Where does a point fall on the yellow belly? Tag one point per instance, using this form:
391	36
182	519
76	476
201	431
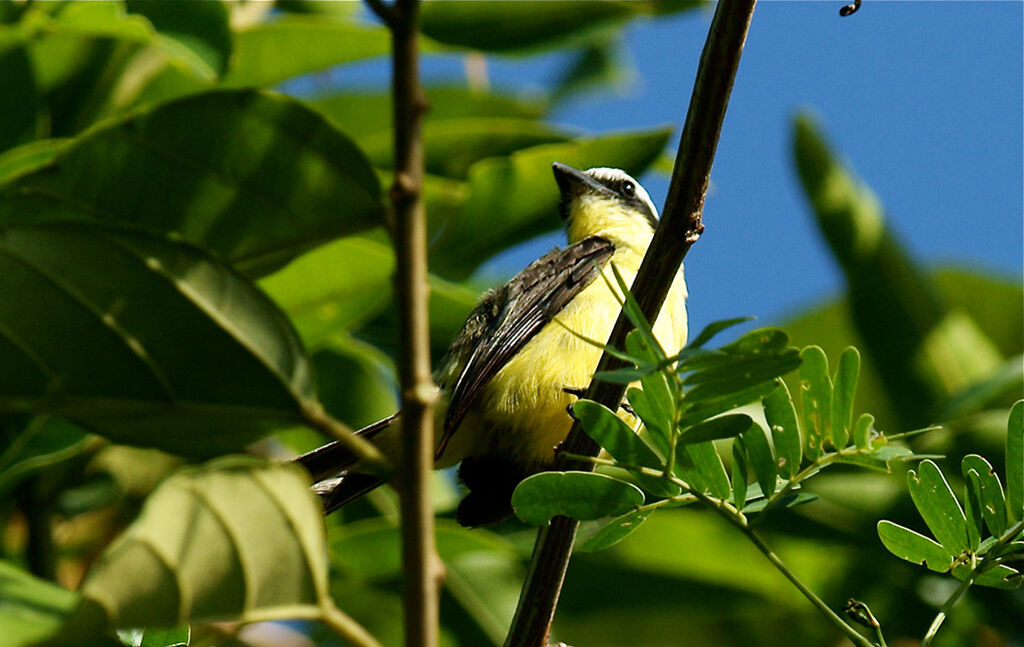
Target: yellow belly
522	412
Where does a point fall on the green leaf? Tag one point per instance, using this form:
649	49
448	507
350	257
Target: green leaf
626	375
638	347
85	314
657	421
913	547
615	530
863	431
1015	462
42	442
32	609
580	495
790	500
622	443
165	637
356	381
739	375
708	465
199	31
290	46
705	405
658	408
973	509
236	538
843	392
761	460
452	146
1000	576
993	503
253	177
762	341
727	426
938	507
781	417
515	198
645	337
714	328
28	156
740	461
521	27
334	288
817	400
601	65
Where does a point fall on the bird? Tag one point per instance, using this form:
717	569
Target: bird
520	360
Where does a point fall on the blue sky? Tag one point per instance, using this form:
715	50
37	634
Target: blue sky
923	99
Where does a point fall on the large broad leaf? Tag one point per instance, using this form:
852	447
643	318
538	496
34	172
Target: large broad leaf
255	177
144	339
515	198
509	27
293	45
237	538
31	609
335	287
18	101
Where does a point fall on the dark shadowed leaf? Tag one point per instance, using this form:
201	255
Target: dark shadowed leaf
997	577
761	460
790	500
973	509
619	440
236	538
708	466
28	156
914	547
18	101
615	530
938	507
580	495
727	426
781	417
257	178
740	462
41	442
84	315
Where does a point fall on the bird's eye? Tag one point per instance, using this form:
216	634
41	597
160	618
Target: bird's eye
628	189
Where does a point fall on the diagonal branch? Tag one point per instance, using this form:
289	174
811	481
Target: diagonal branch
679	228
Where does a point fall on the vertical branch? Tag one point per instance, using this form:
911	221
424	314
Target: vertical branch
679	228
419	394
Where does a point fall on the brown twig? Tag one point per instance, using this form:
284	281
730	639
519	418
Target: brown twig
679	229
422	566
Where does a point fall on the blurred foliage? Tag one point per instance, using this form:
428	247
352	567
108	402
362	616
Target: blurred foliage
190	258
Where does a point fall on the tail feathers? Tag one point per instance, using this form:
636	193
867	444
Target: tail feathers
336	492
332	459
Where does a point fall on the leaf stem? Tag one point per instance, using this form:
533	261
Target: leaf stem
345	626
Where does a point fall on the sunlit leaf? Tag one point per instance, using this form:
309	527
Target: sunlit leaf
914	547
84	314
256	178
938	507
863	431
615	530
993	503
1015	462
997	577
236	538
843	392
580	495
781	417
816	387
619	440
33	609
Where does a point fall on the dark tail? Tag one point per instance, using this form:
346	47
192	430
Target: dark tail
329	465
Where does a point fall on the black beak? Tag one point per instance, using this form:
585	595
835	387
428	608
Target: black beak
573	183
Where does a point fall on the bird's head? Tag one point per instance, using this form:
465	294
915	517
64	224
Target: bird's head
604	202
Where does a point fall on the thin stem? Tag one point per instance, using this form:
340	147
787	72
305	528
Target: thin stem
850	632
422	567
346	627
679	228
314	415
